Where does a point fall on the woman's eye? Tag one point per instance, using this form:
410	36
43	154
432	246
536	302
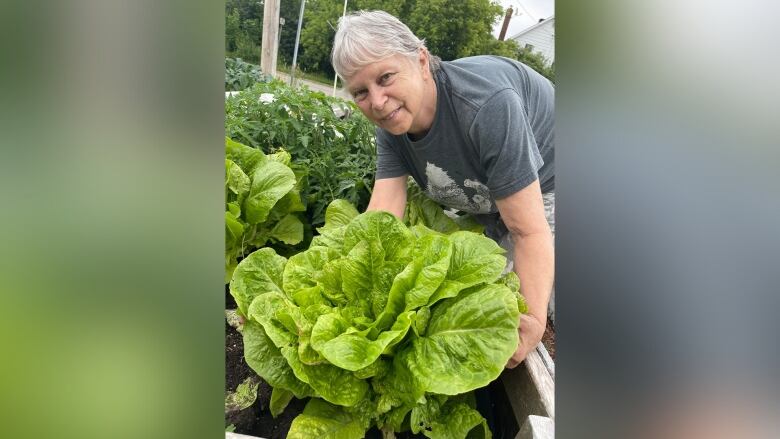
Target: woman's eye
359	95
385	77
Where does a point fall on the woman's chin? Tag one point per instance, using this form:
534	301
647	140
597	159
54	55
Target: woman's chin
397	128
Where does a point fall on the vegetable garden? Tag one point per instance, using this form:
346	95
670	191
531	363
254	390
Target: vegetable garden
344	324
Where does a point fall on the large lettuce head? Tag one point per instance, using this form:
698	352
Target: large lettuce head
381	323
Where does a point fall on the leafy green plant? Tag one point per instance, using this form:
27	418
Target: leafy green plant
421	210
240	75
328	138
262	196
381	324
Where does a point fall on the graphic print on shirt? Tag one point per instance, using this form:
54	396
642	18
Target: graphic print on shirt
444	190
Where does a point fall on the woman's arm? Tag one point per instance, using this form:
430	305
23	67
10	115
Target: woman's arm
390	195
534	262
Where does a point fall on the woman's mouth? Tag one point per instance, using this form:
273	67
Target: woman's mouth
392	115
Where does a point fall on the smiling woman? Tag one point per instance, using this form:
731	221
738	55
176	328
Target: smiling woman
475	133
389	73
396	93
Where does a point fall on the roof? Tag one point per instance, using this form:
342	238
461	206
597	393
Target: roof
528	29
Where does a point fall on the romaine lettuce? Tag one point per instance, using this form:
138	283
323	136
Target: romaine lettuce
262	198
382	323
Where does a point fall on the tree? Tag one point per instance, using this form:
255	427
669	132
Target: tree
451	29
321	18
454	28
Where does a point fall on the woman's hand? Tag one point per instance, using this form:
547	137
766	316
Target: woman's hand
531	331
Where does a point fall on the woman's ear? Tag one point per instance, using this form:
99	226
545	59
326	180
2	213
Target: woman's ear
423	58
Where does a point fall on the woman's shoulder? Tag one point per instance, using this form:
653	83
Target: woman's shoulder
476	79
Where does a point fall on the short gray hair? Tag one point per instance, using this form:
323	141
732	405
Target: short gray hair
365	37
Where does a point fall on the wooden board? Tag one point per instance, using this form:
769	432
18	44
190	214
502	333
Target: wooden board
537	427
530	386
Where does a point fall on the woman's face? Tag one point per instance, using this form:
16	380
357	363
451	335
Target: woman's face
391	93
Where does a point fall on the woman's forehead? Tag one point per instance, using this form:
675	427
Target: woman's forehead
368	71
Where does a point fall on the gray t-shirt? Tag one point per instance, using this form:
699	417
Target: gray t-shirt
492	135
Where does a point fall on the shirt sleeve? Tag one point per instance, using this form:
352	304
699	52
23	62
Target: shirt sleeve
389	163
507	148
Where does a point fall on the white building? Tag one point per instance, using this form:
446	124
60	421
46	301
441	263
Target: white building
539	38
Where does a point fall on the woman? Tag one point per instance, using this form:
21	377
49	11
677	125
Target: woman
475	133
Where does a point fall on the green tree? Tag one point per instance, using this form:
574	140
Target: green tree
321	18
232	29
454	28
451	28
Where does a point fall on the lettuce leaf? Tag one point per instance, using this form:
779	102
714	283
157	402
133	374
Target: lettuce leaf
325	421
262	198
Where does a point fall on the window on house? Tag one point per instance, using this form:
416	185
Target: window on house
529	47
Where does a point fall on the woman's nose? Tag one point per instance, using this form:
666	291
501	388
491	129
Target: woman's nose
378	99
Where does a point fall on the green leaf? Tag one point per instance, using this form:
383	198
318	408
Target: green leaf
335	385
321	420
244	396
414	286
354	351
271	181
288	230
382	229
330	238
467	342
339	213
259	273
458	422
281	320
234	230
279	400
511	281
360	270
266	359
423	210
281	156
303	269
246	157
236	182
425	414
475	259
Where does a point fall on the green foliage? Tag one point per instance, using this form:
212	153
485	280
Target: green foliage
320	19
453	28
262	197
243	29
334	155
382	323
421	210
240	75
244	396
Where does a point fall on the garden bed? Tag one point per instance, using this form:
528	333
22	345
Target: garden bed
513	404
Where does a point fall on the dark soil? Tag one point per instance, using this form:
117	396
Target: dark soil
548	339
255	420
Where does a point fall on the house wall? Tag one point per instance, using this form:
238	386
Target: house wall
542	37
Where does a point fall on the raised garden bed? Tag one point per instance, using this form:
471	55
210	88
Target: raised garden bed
518	405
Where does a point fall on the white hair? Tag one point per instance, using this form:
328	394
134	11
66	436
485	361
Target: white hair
365	37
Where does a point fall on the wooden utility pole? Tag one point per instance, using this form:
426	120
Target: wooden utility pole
507	17
270	37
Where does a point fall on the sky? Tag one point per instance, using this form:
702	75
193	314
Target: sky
527	13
